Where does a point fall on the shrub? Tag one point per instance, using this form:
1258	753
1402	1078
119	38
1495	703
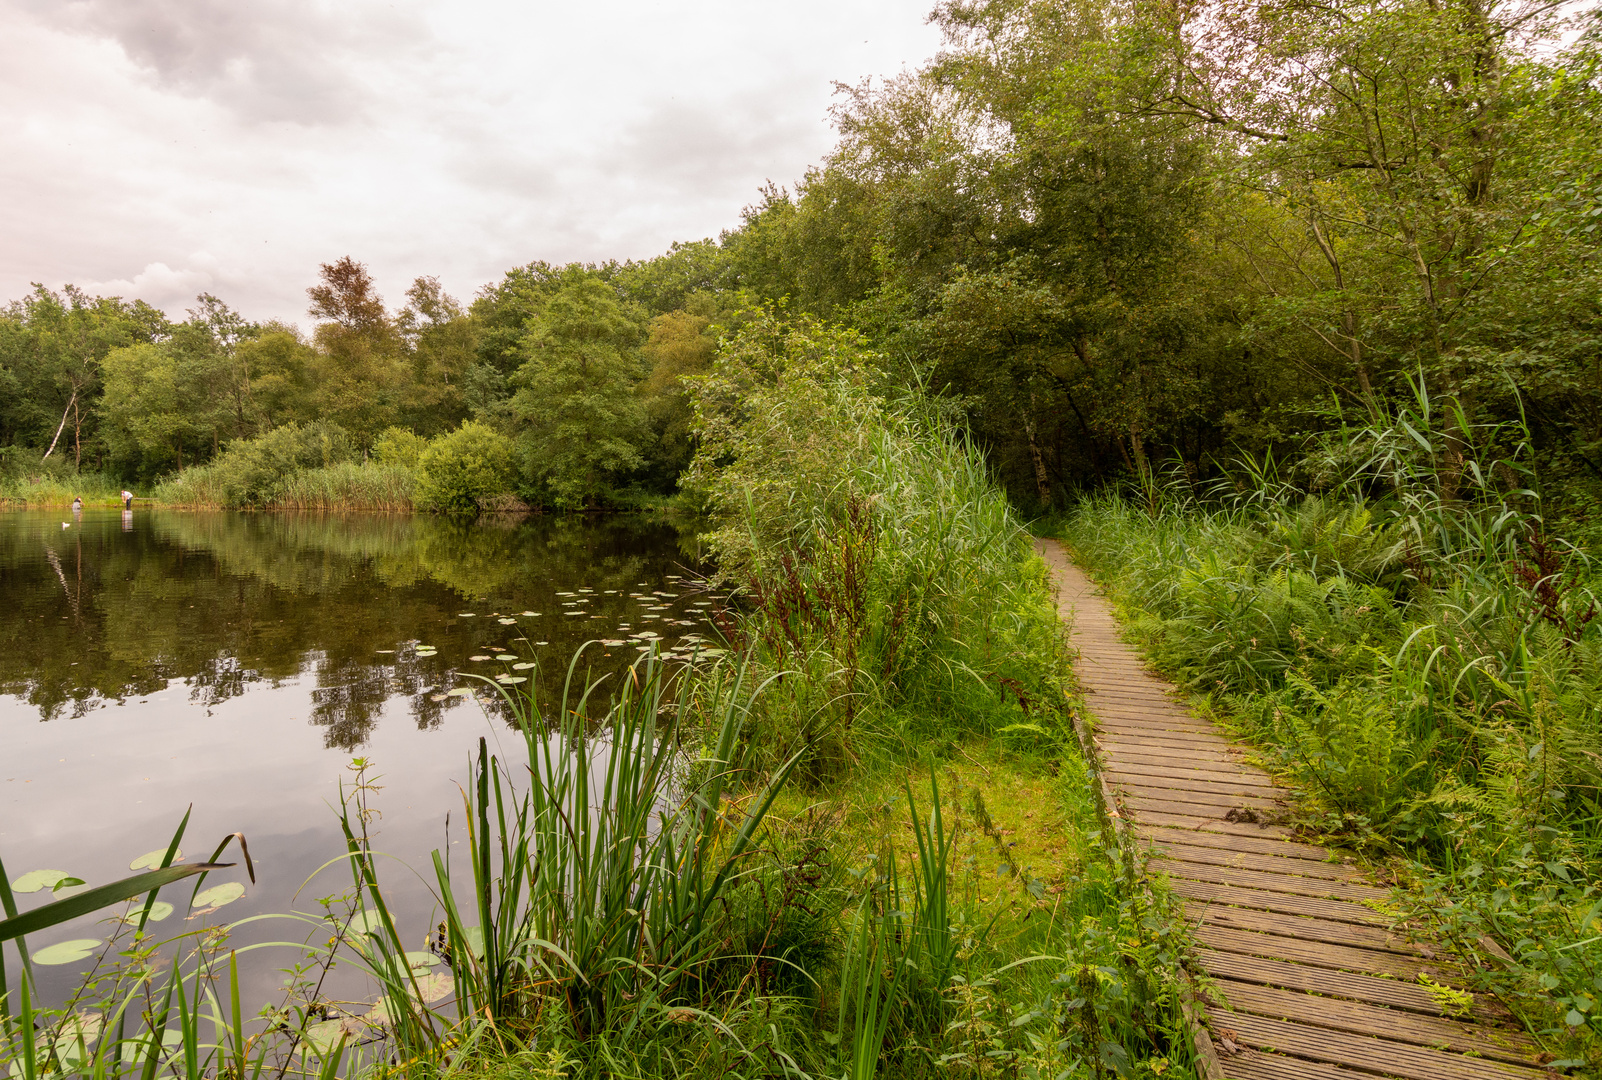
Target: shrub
251	472
463	470
399	446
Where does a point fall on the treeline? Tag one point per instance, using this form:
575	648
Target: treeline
1117	235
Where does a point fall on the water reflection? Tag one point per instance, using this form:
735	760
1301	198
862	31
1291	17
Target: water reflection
94	616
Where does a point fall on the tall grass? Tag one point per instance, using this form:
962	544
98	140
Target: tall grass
1414	646
344	486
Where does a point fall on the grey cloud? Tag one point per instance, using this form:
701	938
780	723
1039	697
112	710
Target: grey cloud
700	149
281	61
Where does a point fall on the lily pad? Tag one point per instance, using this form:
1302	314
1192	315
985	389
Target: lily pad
34	880
158	911
151	860
523	666
365	922
508	680
460	691
506	657
506	622
421	959
218	895
434	985
66	952
464	615
480	658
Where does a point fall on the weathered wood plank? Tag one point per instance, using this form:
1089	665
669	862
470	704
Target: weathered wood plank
1434	1031
1231	842
1385	1056
1323	954
1250	860
1352	985
1285	903
1298	926
1267	882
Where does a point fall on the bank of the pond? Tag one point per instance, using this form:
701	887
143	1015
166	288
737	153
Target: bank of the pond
1430	696
862	842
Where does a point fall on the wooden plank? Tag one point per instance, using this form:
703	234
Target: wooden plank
1248	1064
1230	842
1135	754
1149	776
1285	903
1224	800
1323	954
1351	985
1328	1012
1383	1056
1298	926
1189	820
1250	860
1282	883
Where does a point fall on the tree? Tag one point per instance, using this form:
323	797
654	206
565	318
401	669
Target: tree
581	424
361	377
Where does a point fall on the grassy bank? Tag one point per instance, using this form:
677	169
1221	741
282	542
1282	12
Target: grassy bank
862	842
58	490
1428	673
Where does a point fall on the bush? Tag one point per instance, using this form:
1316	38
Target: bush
399	446
458	473
252	472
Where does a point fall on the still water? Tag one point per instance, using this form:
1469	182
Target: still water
239	662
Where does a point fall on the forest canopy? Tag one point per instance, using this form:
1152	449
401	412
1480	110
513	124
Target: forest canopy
1118	237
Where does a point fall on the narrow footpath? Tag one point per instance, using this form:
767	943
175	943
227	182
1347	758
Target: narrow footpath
1308	979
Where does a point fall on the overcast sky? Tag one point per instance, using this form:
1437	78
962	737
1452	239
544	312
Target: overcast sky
161	148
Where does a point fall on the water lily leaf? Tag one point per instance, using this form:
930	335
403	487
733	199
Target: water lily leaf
151	860
78	1033
531	613
460	691
523	666
66	952
366	922
135	1047
508	680
505	656
158	911
322	1038
384	650
542	643
434	985
34	880
437	697
421	959
506	622
464	615
218	895
475	941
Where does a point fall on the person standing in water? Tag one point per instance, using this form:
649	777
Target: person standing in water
127	500
77	504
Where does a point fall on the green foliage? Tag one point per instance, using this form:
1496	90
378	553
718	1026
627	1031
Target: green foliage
458	473
580	424
399	446
252	472
1426	667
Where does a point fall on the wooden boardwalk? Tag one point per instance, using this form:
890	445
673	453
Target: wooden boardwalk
1305	977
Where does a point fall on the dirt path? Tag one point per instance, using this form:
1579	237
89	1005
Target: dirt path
1308	979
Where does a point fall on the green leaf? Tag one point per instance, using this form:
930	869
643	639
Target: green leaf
91	900
34	880
419	959
218	895
66	952
151	860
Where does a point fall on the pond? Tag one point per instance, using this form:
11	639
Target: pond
239	662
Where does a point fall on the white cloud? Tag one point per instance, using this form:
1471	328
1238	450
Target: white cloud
422	138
